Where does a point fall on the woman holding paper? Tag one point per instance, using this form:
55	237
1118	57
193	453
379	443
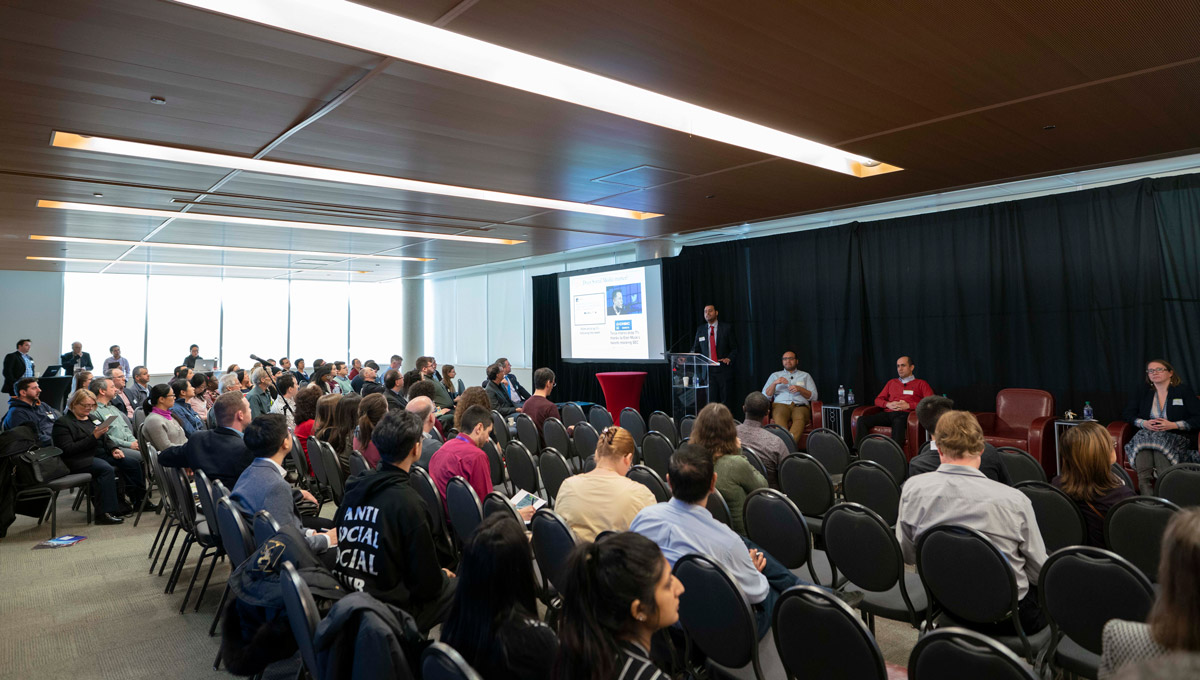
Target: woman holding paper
86	447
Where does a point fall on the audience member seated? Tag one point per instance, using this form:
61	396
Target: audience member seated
212	390
299	373
355	369
1163	411
929	411
958	493
472	396
393	390
161	428
138	390
423	407
121	429
770	448
285	403
323	377
121	400
426	388
338	430
115	360
87	448
229	383
306	413
83	380
385	544
371	409
897	399
339	376
497	392
619	592
1087	457
18	365
220	452
260	394
365	377
683	526
441	398
1173	625
232	368
715	430
183	373
463	456
604	499
396	363
516	393
539	407
261	486
453	387
25	406
182	409
197	401
76	358
792	392
493	622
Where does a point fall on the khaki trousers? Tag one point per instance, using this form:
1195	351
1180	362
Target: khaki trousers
794	417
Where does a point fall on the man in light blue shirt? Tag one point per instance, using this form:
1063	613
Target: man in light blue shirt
792	390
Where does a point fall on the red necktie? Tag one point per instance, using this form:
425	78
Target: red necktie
712	342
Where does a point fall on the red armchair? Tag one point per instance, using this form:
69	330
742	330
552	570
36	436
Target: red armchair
913	440
1024	419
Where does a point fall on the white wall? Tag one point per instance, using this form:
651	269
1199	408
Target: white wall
31	307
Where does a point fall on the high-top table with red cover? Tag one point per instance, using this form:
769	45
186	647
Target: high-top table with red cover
621	389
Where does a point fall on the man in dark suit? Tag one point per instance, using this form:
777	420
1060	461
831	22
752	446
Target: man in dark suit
221	453
516	393
365	376
715	340
393	390
496	392
17	365
76	358
617	307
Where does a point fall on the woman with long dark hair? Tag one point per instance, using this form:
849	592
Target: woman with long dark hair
306	413
454	387
182	409
619	591
371	409
338	431
716	431
493	621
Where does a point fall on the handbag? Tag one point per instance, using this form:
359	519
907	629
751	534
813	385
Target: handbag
39	466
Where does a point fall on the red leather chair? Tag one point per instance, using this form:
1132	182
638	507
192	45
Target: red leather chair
813	424
913	440
1024	419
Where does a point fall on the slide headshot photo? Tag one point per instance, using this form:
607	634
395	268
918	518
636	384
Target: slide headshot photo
624	299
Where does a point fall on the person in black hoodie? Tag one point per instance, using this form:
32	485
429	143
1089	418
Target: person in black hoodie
385	546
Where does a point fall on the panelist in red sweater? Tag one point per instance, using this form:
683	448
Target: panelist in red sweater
898	398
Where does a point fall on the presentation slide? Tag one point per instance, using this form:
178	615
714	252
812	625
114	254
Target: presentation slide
612	313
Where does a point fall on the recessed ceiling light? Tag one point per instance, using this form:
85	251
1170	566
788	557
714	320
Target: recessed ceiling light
158	100
363	28
263	222
223	249
87	260
121	147
98	195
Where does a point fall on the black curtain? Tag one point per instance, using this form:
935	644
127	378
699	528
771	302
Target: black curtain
1070	293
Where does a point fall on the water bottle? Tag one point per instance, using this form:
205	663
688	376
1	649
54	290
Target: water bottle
841	395
1087	410
850	396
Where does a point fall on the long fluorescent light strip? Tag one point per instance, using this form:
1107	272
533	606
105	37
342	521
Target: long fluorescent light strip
121	147
372	30
222	249
263	222
88	260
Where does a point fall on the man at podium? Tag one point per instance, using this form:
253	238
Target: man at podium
715	340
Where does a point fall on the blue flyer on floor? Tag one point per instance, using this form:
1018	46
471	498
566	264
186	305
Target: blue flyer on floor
60	542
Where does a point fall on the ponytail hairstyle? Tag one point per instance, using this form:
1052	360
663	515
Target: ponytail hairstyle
157	392
602	581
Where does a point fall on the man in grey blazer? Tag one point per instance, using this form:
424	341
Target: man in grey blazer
497	394
262	486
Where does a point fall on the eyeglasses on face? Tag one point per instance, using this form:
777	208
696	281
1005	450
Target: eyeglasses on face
1152	371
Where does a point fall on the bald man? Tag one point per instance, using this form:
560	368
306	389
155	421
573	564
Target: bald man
423	407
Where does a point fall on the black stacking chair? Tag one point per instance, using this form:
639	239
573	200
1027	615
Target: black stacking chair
528	433
868	483
496	466
333	471
170	515
648	478
819	636
1021	466
862	546
661	422
782	432
421	481
358	464
440	661
1080	589
265	527
656	453
729	640
1180	484
320	465
632	421
685	427
1134	529
1124	476
300	463
777	526
463	507
956	653
755	459
552	542
554	470
572	414
555	434
208	506
970	580
585	439
806	482
237	541
830	449
196	533
500	429
302	615
885	451
599	418
1059	519
495	502
718	508
521	468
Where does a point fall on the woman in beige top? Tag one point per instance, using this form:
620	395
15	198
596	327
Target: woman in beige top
604	499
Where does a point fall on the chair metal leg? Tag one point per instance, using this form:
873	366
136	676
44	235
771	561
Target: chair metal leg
177	570
212	630
217	661
195	574
204	588
157	536
54	515
142	505
163	565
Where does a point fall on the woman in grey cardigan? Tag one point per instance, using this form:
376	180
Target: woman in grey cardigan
161	429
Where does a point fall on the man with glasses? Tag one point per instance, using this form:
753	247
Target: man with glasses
539	407
898	398
792	391
120	400
76	359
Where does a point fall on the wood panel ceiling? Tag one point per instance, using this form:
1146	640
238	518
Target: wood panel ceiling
956	98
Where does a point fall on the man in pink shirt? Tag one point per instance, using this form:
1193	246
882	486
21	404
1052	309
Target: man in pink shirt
898	398
464	457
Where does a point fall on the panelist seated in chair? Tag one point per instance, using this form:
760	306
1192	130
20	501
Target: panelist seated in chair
791	391
929	411
898	398
958	493
220	453
1167	416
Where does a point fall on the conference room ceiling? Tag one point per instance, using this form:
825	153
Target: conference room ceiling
955	98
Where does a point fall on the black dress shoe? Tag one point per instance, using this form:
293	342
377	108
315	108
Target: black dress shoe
124	511
152	507
107	518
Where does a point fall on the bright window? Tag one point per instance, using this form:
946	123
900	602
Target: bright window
101	310
320	321
254	320
376	316
181	310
